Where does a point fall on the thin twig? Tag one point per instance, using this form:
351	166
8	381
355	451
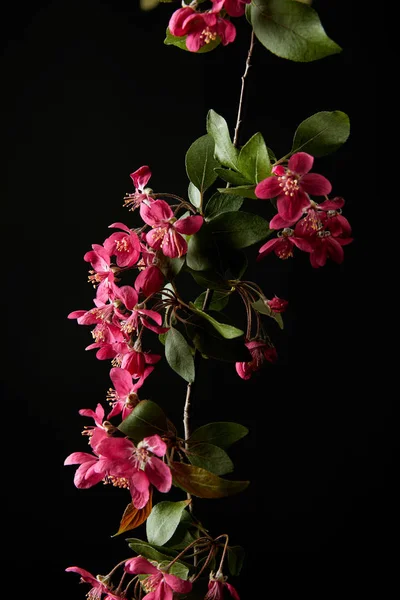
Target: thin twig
246	70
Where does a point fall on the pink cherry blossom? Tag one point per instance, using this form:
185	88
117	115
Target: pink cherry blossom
149	281
216	587
99	585
109	340
201	28
277	305
140	179
101	273
159	585
234	8
283	245
123	398
292	185
166	233
260	351
125	245
139	364
129	322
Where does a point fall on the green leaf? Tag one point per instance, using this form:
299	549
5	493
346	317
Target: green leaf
253	160
227	331
222	433
231	176
150	4
264	309
208	279
239	229
202	483
170	267
161	555
221	203
225	151
245	191
161	337
180	42
194	195
322	133
209	457
210	344
200	163
218	302
163	521
291	30
179	356
235	557
146	419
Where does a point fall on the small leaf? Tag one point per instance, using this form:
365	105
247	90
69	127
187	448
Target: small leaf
291	30
225	151
202	483
254	161
194	195
163	521
227	331
209	457
222	433
232	176
134	517
264	309
218	302
239	229
146	419
180	42
200	163
149	4
245	191
236	556
220	203
178	355
322	133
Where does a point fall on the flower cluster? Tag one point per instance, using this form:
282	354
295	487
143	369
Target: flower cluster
204	27
319	229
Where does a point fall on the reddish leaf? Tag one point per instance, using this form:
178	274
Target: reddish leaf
133	517
202	483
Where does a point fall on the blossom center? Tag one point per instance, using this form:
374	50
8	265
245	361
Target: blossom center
207	35
150	583
122	245
142	455
121	482
289	183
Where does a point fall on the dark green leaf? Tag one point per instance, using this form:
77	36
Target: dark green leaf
194	195
200	163
209	279
264	309
227	331
236	556
222	434
232	176
245	191
146	419
180	42
218	302
291	30
170	267
210	344
210	457
220	203
201	250
239	229
322	133
254	161
202	483
179	356
225	151
163	521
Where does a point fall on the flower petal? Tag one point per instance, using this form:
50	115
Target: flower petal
177	584
232	591
140	177
268	188
140	566
301	163
189	225
122	381
159	474
315	184
155	444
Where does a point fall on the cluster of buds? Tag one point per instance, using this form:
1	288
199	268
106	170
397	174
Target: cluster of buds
203	27
319	229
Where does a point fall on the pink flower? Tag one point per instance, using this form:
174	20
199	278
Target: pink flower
149	281
139	364
234	8
137	466
99	584
159	585
283	245
110	341
87	474
129	323
292	185
216	587
140	179
123	398
125	246
166	231
101	273
260	351
277	305
201	28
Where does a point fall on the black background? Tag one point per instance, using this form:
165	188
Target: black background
90	94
